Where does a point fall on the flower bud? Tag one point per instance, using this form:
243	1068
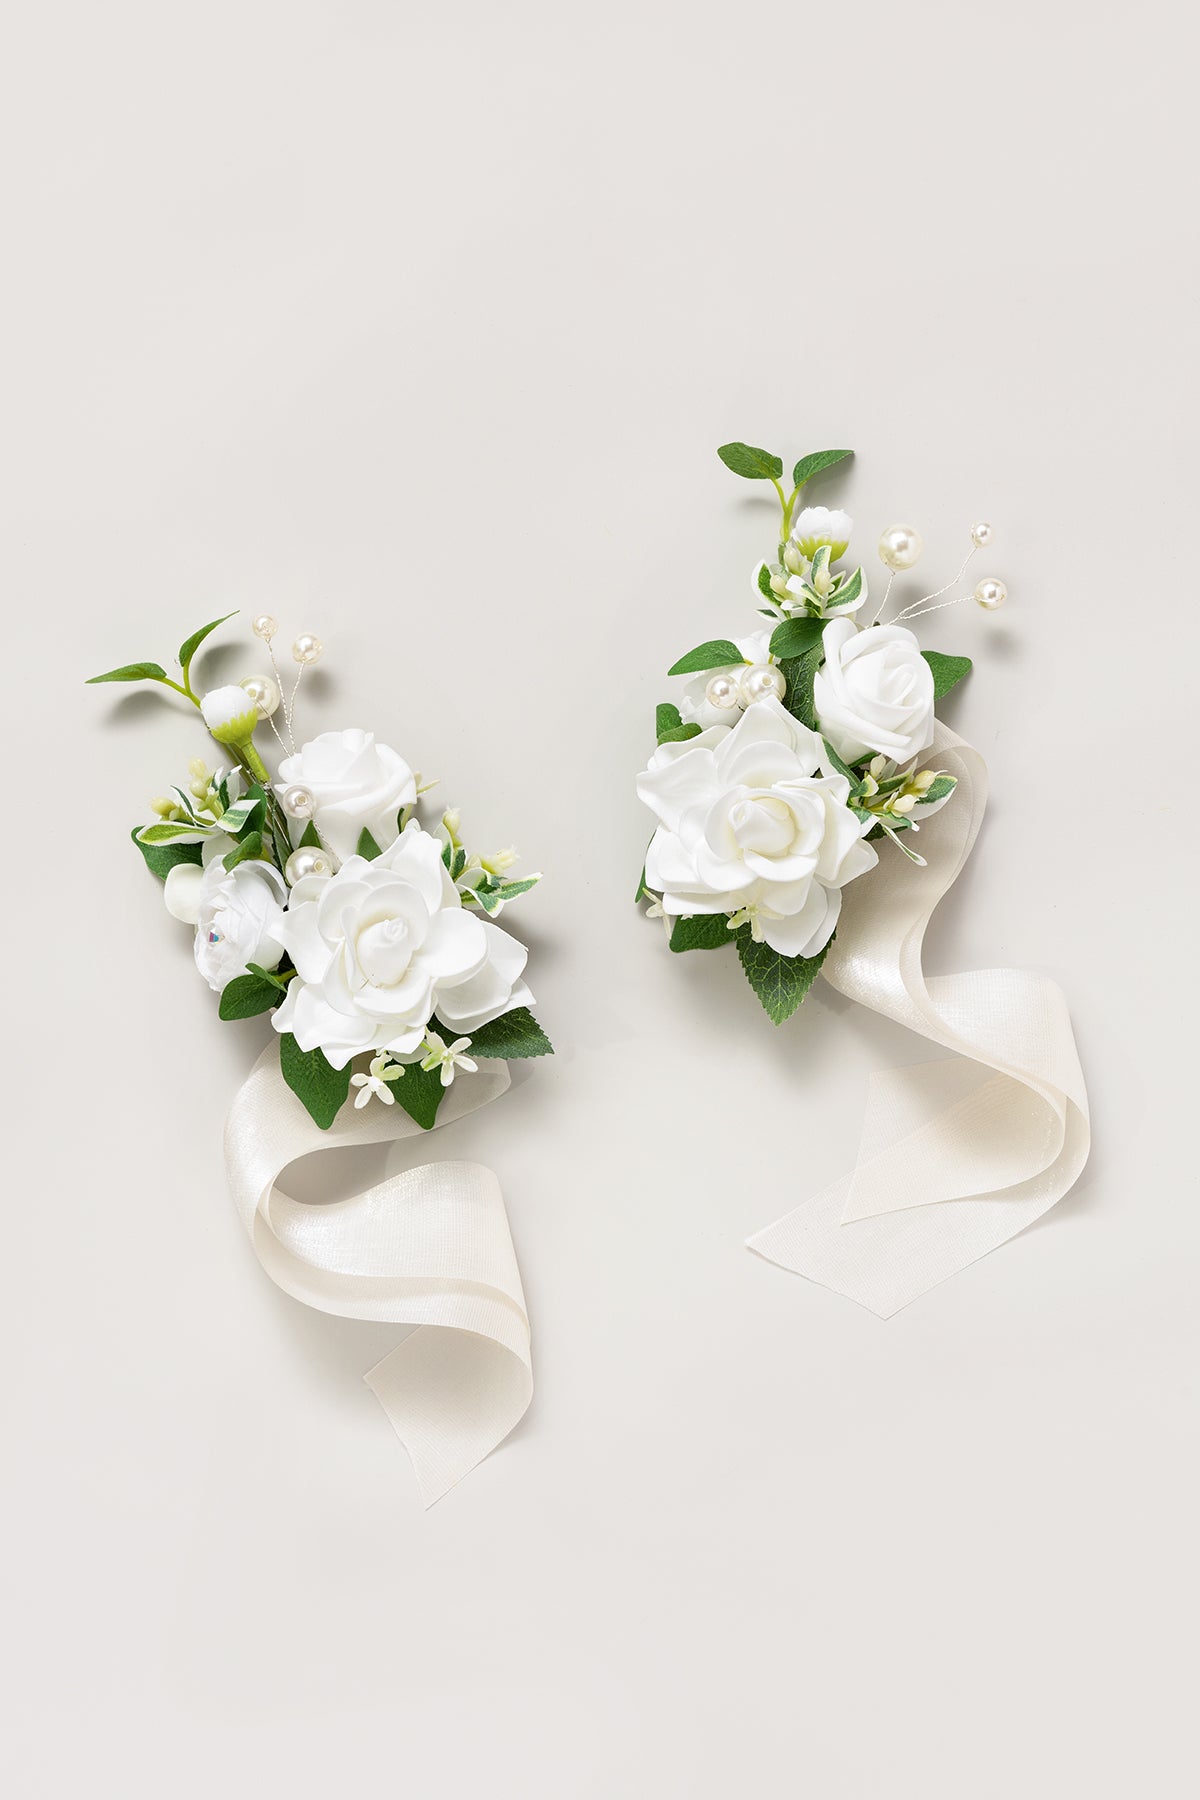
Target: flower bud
922	783
198	769
904	803
230	714
164	806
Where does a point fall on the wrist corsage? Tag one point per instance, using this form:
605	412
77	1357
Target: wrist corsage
812	809
318	895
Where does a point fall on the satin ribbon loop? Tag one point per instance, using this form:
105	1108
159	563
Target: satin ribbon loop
428	1247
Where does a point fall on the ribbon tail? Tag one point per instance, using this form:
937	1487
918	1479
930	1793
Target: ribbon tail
956	1156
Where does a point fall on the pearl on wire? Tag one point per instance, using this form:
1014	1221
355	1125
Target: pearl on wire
759	682
981	534
900	547
307	649
722	692
990	594
296	801
265	627
264	692
307	860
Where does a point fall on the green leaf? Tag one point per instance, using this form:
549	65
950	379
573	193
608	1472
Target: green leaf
250	846
704	931
312	1078
846	592
781	982
716	654
268	975
419	1091
948	671
681	733
162	858
753	464
800	672
144	671
763	579
666	718
642	889
367	846
167	834
244	815
808	466
945	784
309	839
246	996
513	1034
843	768
190	645
795	637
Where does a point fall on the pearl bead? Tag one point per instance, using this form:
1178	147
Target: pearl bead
307	648
264	692
308	860
297	802
759	682
981	534
722	692
899	547
990	594
265	627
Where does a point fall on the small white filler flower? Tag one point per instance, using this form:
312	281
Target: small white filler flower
447	1057
383	1070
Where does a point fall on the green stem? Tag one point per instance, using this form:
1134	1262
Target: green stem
255	764
185	691
786	504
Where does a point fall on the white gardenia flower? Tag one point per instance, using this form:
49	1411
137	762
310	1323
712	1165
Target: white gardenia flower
817	525
354	782
381	946
238	913
694	708
752	821
874	691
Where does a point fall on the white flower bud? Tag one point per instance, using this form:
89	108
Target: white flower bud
230	714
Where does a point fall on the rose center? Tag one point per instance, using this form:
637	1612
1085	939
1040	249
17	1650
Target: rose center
384	950
765	825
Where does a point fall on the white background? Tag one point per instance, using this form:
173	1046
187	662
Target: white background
419	327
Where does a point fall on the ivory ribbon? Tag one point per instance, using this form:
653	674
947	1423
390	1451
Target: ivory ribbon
959	1155
429	1247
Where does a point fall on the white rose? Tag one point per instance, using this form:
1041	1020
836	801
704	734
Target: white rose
238	913
354	782
381	946
694	708
874	692
748	825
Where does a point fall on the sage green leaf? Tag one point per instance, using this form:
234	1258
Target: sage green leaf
704	931
795	637
514	1034
162	858
808	466
948	671
244	815
367	846
751	463
763	579
842	768
846	593
268	975
419	1091
666	718
309	839
716	654
143	671
945	784
781	982
169	834
246	996
681	733
249	847
800	672
190	645
312	1078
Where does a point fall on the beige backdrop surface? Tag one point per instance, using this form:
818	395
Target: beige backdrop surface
419	326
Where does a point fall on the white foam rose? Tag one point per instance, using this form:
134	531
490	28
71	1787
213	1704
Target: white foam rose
355	783
874	692
238	913
694	708
383	945
751	819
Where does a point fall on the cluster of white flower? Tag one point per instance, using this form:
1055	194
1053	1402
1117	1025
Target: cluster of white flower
776	774
318	895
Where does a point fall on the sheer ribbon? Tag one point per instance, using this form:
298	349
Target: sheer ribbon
429	1247
959	1155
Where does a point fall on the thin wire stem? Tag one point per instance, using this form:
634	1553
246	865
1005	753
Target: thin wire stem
911	610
